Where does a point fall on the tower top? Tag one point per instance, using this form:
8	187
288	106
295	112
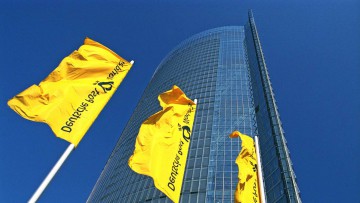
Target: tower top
250	13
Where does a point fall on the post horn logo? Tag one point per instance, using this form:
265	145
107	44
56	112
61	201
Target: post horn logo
106	86
186	133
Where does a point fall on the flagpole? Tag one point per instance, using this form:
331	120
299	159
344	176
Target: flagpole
52	173
260	174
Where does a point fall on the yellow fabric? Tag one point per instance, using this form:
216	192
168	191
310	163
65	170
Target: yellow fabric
247	190
72	96
162	145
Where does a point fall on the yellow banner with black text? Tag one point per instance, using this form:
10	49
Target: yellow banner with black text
72	96
162	145
247	190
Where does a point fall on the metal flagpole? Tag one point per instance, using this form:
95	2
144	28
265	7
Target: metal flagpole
260	174
52	173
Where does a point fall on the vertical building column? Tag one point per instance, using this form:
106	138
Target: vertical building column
291	189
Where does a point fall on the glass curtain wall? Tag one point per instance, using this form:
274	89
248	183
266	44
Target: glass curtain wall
222	68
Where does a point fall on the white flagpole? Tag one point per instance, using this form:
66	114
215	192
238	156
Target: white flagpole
260	174
52	173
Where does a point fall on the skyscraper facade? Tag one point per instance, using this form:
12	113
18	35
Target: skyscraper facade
225	70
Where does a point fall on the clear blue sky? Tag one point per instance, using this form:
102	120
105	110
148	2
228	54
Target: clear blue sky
312	50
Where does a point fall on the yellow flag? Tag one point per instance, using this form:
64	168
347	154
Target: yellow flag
72	96
247	190
163	141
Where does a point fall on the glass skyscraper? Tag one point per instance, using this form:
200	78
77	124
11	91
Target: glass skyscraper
224	69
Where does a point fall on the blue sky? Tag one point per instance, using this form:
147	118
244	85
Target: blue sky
312	50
